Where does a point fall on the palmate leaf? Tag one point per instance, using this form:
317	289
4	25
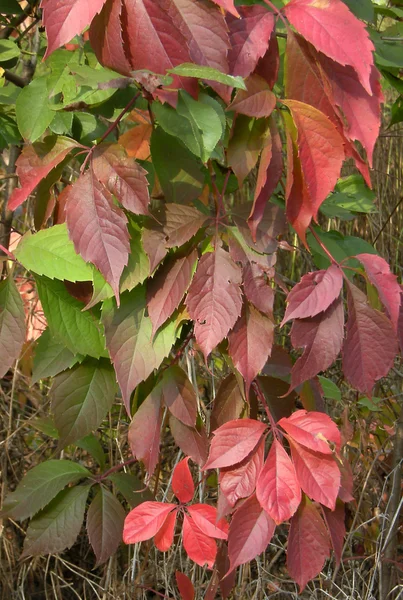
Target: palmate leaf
12	324
51	357
105	521
144	521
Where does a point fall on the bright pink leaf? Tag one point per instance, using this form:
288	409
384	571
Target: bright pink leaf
214	298
308	544
144	521
314	293
182	481
335	521
145	429
314	430
106	37
334	30
35	163
318	474
98	228
250	343
321	337
185	586
277	489
250	533
380	276
227	5
205	517
250	36
199	547
164	538
64	19
233	441
167	288
256	101
241	482
370	346
228	403
190	440
179	395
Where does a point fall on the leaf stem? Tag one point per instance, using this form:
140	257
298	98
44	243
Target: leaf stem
115	468
259	393
322	245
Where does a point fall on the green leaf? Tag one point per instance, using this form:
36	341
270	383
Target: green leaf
45	425
62	123
32	110
371	404
40	485
50	358
57	526
387	53
200	72
131	488
8	50
138	266
50	252
81	398
9	132
10	7
9	94
105	521
81	332
363	9
92	445
12	324
352	195
330	389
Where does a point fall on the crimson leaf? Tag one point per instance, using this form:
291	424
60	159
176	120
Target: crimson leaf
233	441
182	482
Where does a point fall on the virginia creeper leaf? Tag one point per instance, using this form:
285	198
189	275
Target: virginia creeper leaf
228	403
314	430
245	145
233	441
199	547
164	538
185	586
205	517
182	482
179	223
179	395
145	429
191	441
228	5
241	482
106	37
335	521
12	324
51	357
32	110
257	288
105	520
131	487
257	101
144	521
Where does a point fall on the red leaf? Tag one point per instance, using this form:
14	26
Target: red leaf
314	430
199	547
228	403
379	274
97	228
314	293
334	30
144	431
241	482
192	442
185	586
257	101
122	176
227	583
182	481
250	36
250	533
321	337
233	441
308	544
35	163
214	298
271	225
250	343
277	489
167	288
335	521
370	346
318	474
144	521
268	66
106	37
164	538
64	19
320	150
257	288
179	395
346	482
205	517
228	5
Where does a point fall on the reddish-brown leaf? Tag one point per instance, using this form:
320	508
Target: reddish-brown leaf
268	66
214	298
145	429
227	583
105	520
314	430
179	223
271	225
256	101
277	489
346	481
182	481
200	548
233	441
241	482
250	533
308	544
258	289
179	395
335	521
190	440
12	324
247	141
370	346
228	403
318	474
276	391
321	337
145	520
250	343
205	517
106	37
185	586
164	538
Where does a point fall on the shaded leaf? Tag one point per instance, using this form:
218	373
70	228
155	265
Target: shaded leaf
179	395
228	403
247	141
50	358
185	586
182	482
190	440
208	73
131	488
105	520
145	429
144	521
179	223
233	441
241	482
12	324
257	101
337	528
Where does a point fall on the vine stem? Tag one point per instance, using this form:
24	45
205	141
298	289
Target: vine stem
262	398
278	12
115	468
321	244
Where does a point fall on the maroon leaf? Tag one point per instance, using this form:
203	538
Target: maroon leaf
179	395
241	482
144	431
199	547
276	391
268	66
164	538
400	322
385	282
370	346
106	37
97	228
279	363
257	288
250	533
185	586
256	101
321	337
233	441
314	293
167	288
314	430
346	482
182	481
214	298
122	176
308	544
337	528
12	324
277	489
227	583
205	517
228	403
247	141
35	163
105	520
318	474
190	440
144	521
250	343
250	36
